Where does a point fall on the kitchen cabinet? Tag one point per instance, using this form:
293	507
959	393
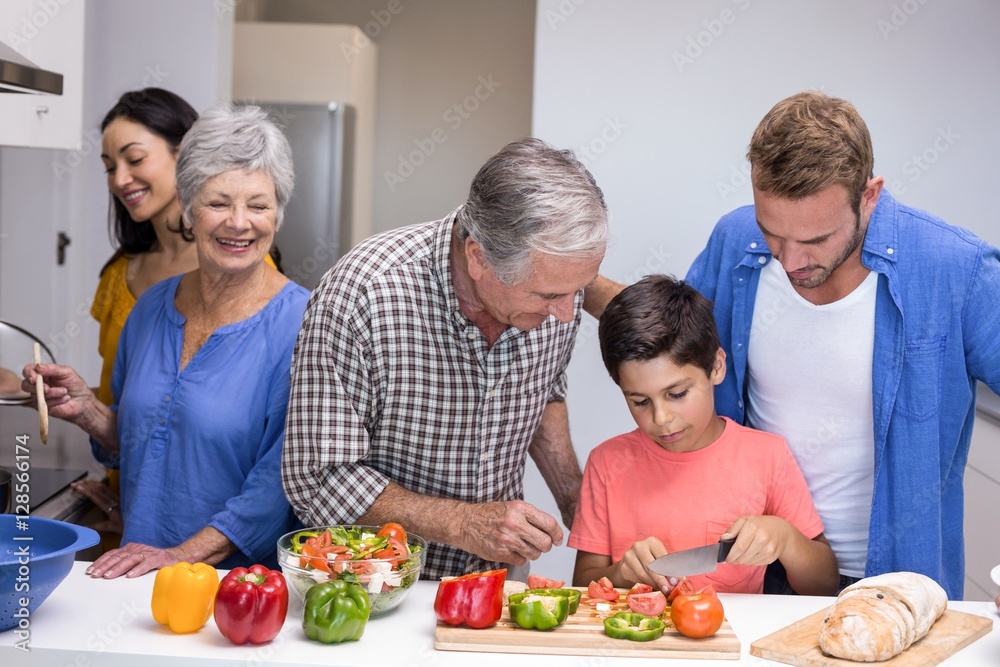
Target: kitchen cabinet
109	623
50	34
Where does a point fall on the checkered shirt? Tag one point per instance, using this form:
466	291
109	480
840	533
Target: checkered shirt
391	382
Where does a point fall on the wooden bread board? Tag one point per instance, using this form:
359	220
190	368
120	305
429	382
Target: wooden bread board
583	634
798	644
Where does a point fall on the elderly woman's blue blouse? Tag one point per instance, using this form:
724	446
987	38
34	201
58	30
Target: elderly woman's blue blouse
201	446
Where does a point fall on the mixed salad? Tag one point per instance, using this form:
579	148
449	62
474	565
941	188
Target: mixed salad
382	561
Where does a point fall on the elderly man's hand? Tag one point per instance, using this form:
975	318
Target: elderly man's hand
509	532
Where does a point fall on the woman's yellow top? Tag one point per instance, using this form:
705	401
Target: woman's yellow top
113	301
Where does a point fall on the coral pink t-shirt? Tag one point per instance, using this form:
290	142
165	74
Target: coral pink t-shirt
633	489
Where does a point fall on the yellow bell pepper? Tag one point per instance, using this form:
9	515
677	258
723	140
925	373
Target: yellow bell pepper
183	595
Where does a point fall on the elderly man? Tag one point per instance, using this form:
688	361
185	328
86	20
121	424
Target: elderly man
855	327
432	360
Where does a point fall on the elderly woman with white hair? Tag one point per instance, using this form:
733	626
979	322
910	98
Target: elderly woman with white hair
201	376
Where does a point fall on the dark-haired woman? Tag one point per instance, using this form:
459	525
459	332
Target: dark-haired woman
141	134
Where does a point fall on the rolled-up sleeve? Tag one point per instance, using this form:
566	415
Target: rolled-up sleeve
330	411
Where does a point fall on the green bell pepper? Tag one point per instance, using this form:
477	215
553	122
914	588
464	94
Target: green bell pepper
635	627
571	594
335	611
538	612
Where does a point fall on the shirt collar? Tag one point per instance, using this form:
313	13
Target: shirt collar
442	268
881	237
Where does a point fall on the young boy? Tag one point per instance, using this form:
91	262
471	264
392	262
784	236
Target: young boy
687	477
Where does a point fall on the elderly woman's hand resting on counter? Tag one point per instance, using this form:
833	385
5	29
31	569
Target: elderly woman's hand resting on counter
202	370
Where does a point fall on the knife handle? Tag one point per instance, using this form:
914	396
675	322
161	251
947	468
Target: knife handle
725	546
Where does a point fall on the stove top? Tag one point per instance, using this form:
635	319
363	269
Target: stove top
47	482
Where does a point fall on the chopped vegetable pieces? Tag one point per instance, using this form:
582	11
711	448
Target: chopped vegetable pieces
634	627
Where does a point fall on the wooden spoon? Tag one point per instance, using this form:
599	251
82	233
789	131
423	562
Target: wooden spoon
43	409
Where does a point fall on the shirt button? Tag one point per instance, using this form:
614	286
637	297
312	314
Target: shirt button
739	344
762	260
889	250
471	335
753	245
166	400
740	403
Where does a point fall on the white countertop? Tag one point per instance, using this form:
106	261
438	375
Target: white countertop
108	623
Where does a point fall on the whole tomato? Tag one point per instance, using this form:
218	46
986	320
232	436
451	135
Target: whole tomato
697	615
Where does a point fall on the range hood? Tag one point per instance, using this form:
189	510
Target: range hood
20	75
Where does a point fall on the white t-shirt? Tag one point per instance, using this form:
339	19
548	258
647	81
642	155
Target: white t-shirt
810	380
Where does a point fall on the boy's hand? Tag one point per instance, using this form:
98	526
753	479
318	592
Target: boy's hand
760	540
633	565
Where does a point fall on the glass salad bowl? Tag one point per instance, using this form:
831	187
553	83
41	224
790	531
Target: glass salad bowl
385	559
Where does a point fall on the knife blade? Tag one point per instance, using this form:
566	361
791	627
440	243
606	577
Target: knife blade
692	561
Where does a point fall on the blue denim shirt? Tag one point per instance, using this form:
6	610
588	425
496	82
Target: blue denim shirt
937	331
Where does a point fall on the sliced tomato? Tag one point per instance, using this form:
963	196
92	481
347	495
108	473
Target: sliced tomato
647	604
321	540
384	554
314	557
538	581
602	589
395	551
639	588
344	563
393	530
683	587
361	567
708	590
399	547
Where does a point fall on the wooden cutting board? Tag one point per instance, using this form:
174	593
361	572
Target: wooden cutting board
583	634
798	644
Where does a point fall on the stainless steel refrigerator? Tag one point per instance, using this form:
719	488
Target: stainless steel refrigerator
317	221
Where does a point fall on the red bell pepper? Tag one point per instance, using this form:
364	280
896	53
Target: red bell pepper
475	600
251	604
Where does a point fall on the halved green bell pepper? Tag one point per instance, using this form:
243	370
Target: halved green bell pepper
335	611
635	627
538	612
571	594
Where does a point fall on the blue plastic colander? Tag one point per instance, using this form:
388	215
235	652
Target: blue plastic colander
51	550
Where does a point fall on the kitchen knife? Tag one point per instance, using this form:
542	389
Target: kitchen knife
692	561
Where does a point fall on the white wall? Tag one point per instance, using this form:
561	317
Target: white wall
432	55
666	137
